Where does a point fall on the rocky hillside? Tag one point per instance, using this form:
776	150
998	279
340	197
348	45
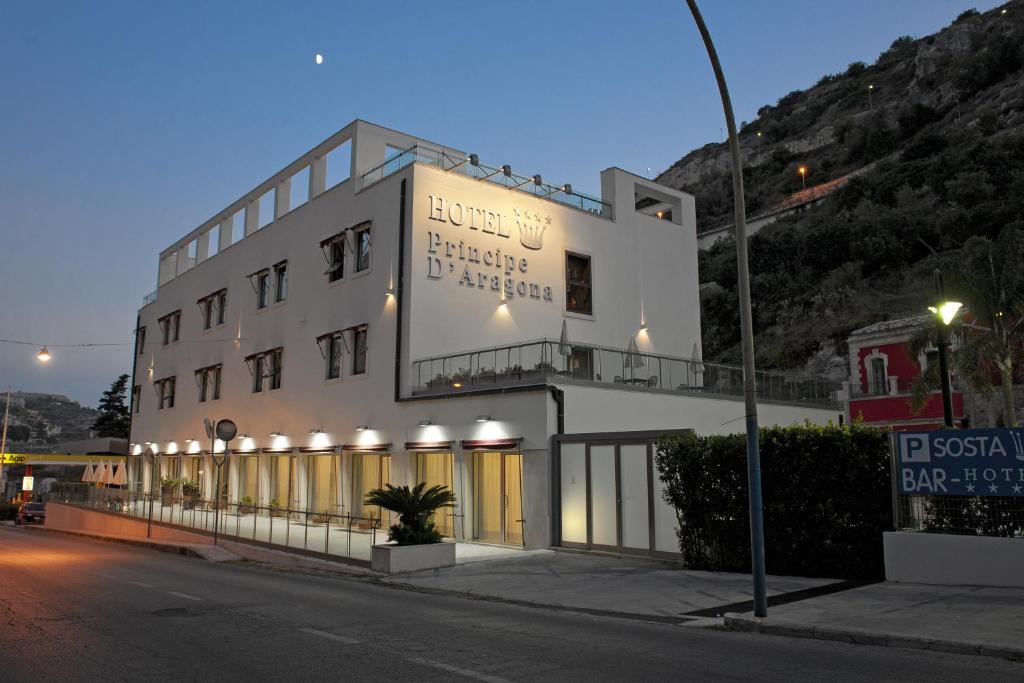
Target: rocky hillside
38	420
936	125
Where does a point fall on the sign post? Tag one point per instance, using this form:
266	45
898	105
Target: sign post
225	431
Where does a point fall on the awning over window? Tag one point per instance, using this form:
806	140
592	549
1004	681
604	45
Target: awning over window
491	444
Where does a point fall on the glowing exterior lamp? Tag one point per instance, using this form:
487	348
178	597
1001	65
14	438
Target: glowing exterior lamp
946	311
315	430
424	423
362	428
803	175
276	434
483	418
44	355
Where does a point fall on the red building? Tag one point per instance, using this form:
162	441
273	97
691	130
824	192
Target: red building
882	373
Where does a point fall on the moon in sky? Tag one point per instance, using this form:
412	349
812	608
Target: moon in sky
319	59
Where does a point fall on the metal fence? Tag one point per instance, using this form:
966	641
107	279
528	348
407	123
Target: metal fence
968	515
539	361
329	534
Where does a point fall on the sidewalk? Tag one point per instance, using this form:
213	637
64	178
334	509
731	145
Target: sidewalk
958	619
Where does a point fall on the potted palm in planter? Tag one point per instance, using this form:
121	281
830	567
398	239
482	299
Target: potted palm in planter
415	542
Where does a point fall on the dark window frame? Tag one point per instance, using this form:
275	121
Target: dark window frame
574	285
359	355
362	258
280	281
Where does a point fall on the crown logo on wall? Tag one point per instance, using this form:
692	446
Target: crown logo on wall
531	228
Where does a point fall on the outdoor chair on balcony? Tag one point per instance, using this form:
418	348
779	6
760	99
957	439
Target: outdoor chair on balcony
652	381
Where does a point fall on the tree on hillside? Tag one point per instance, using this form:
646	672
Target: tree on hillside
989	276
114	416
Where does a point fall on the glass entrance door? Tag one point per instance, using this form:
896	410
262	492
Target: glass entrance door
369	471
323	484
498	498
435	469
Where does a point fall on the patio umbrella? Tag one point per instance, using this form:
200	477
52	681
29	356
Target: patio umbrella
88	474
98	473
564	347
633	358
696	365
120	476
108	473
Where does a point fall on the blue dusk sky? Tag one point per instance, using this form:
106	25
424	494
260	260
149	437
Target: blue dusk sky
124	125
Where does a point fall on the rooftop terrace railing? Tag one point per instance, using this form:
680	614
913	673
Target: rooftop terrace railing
449	160
547	360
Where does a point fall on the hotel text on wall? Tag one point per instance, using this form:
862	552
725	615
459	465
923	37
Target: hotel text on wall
473	246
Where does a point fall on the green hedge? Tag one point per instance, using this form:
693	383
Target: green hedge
826	491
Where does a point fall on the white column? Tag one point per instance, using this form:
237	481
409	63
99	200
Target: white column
225	234
317	177
203	247
182	262
252	217
302	481
282	198
264	496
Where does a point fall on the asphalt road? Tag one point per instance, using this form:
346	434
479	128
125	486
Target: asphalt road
82	610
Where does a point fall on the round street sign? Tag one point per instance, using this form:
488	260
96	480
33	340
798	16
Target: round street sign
226	430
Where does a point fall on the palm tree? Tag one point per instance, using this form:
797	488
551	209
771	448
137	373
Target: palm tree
415	509
989	275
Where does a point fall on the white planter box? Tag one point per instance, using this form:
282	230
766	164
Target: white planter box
953	560
395	559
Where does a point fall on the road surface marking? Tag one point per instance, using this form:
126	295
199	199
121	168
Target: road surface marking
140	584
468	673
332	636
185	595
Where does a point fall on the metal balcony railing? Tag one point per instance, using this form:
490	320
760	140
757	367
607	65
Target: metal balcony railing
450	160
547	361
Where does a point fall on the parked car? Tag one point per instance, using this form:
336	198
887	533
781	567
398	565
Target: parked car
31	512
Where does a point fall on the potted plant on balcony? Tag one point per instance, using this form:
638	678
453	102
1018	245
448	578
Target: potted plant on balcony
189	493
167	489
415	542
245	506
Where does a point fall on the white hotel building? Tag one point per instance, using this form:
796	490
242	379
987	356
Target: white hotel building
386	309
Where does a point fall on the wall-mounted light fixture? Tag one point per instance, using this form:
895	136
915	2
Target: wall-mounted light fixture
189	440
424	423
483	418
316	430
276	434
362	428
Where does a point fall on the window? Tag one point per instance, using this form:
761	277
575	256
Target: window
577	284
222	304
333	354
362	249
140	340
170	327
930	358
266	370
208	380
136	398
359	350
876	377
336	269
281	281
262	285
212	307
165	392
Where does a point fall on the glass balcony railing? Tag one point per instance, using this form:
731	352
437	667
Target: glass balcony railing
546	360
449	160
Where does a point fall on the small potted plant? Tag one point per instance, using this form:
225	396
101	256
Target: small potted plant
245	506
275	508
415	542
189	493
168	486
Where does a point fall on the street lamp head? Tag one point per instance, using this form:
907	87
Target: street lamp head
946	311
44	355
802	170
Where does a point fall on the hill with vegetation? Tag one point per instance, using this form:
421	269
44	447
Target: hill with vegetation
934	130
37	421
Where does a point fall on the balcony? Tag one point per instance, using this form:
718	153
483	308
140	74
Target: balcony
449	160
893	386
546	361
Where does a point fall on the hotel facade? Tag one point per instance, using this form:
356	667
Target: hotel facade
387	309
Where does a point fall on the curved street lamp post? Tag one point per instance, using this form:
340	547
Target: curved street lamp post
746	329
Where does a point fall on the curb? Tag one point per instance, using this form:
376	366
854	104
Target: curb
860	636
173	548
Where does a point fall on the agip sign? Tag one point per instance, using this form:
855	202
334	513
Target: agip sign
961	462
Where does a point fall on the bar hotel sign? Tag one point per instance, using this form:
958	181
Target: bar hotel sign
961	462
483	255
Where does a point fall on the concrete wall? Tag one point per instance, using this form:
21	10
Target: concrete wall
602	409
62	516
953	560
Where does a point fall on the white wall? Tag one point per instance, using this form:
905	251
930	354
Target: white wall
589	409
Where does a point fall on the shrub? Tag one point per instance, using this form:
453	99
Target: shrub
8	511
826	491
415	509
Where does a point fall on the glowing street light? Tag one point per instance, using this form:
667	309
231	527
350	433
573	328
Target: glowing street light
803	175
870	88
944	311
44	355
